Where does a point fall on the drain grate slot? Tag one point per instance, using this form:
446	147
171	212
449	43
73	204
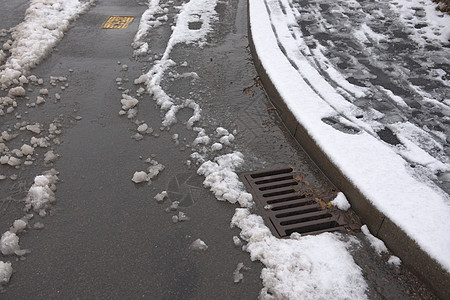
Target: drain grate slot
286	199
276	186
280	192
275	179
290	203
318	228
301	208
271	173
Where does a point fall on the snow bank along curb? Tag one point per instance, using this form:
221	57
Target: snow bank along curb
427	261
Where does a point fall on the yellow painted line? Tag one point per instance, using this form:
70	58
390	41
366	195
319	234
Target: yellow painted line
117	22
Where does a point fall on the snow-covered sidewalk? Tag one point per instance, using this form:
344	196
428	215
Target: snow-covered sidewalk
398	178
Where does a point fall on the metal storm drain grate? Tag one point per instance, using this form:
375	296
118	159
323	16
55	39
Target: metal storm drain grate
289	204
117	22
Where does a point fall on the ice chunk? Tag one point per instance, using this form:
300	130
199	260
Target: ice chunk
40	100
173	206
27	149
5	272
237	241
198	245
139	177
142	128
216	147
4	159
237	275
376	243
40	195
182	217
43	92
38	225
18	226
9	243
50	157
34	128
17	92
175	219
394	260
22	252
161	197
220	131
341	202
39	142
14	161
227	139
128	102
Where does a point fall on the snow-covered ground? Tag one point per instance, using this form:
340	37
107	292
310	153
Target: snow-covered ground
370	83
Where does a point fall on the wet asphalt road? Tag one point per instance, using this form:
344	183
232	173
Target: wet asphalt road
106	237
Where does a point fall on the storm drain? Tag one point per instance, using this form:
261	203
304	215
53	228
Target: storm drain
117	22
289	204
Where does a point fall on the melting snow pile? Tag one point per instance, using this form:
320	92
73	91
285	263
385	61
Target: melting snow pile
5	272
44	25
223	181
377	244
41	194
341	202
310	267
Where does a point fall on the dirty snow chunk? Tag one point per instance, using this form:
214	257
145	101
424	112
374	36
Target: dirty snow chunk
223	181
198	245
40	100
18	226
237	275
220	131
27	149
41	195
161	196
4	159
175	219
341	202
22	252
17	92
237	241
9	243
154	169
128	102
376	243
296	268
50	157
5	272
173	206
202	137
182	217
394	260
39	142
216	147
38	225
227	139
34	128
14	161
142	128
17	153
43	92
139	177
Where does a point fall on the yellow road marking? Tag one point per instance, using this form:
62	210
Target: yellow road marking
117	22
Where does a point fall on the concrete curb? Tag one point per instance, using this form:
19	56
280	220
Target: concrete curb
417	260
